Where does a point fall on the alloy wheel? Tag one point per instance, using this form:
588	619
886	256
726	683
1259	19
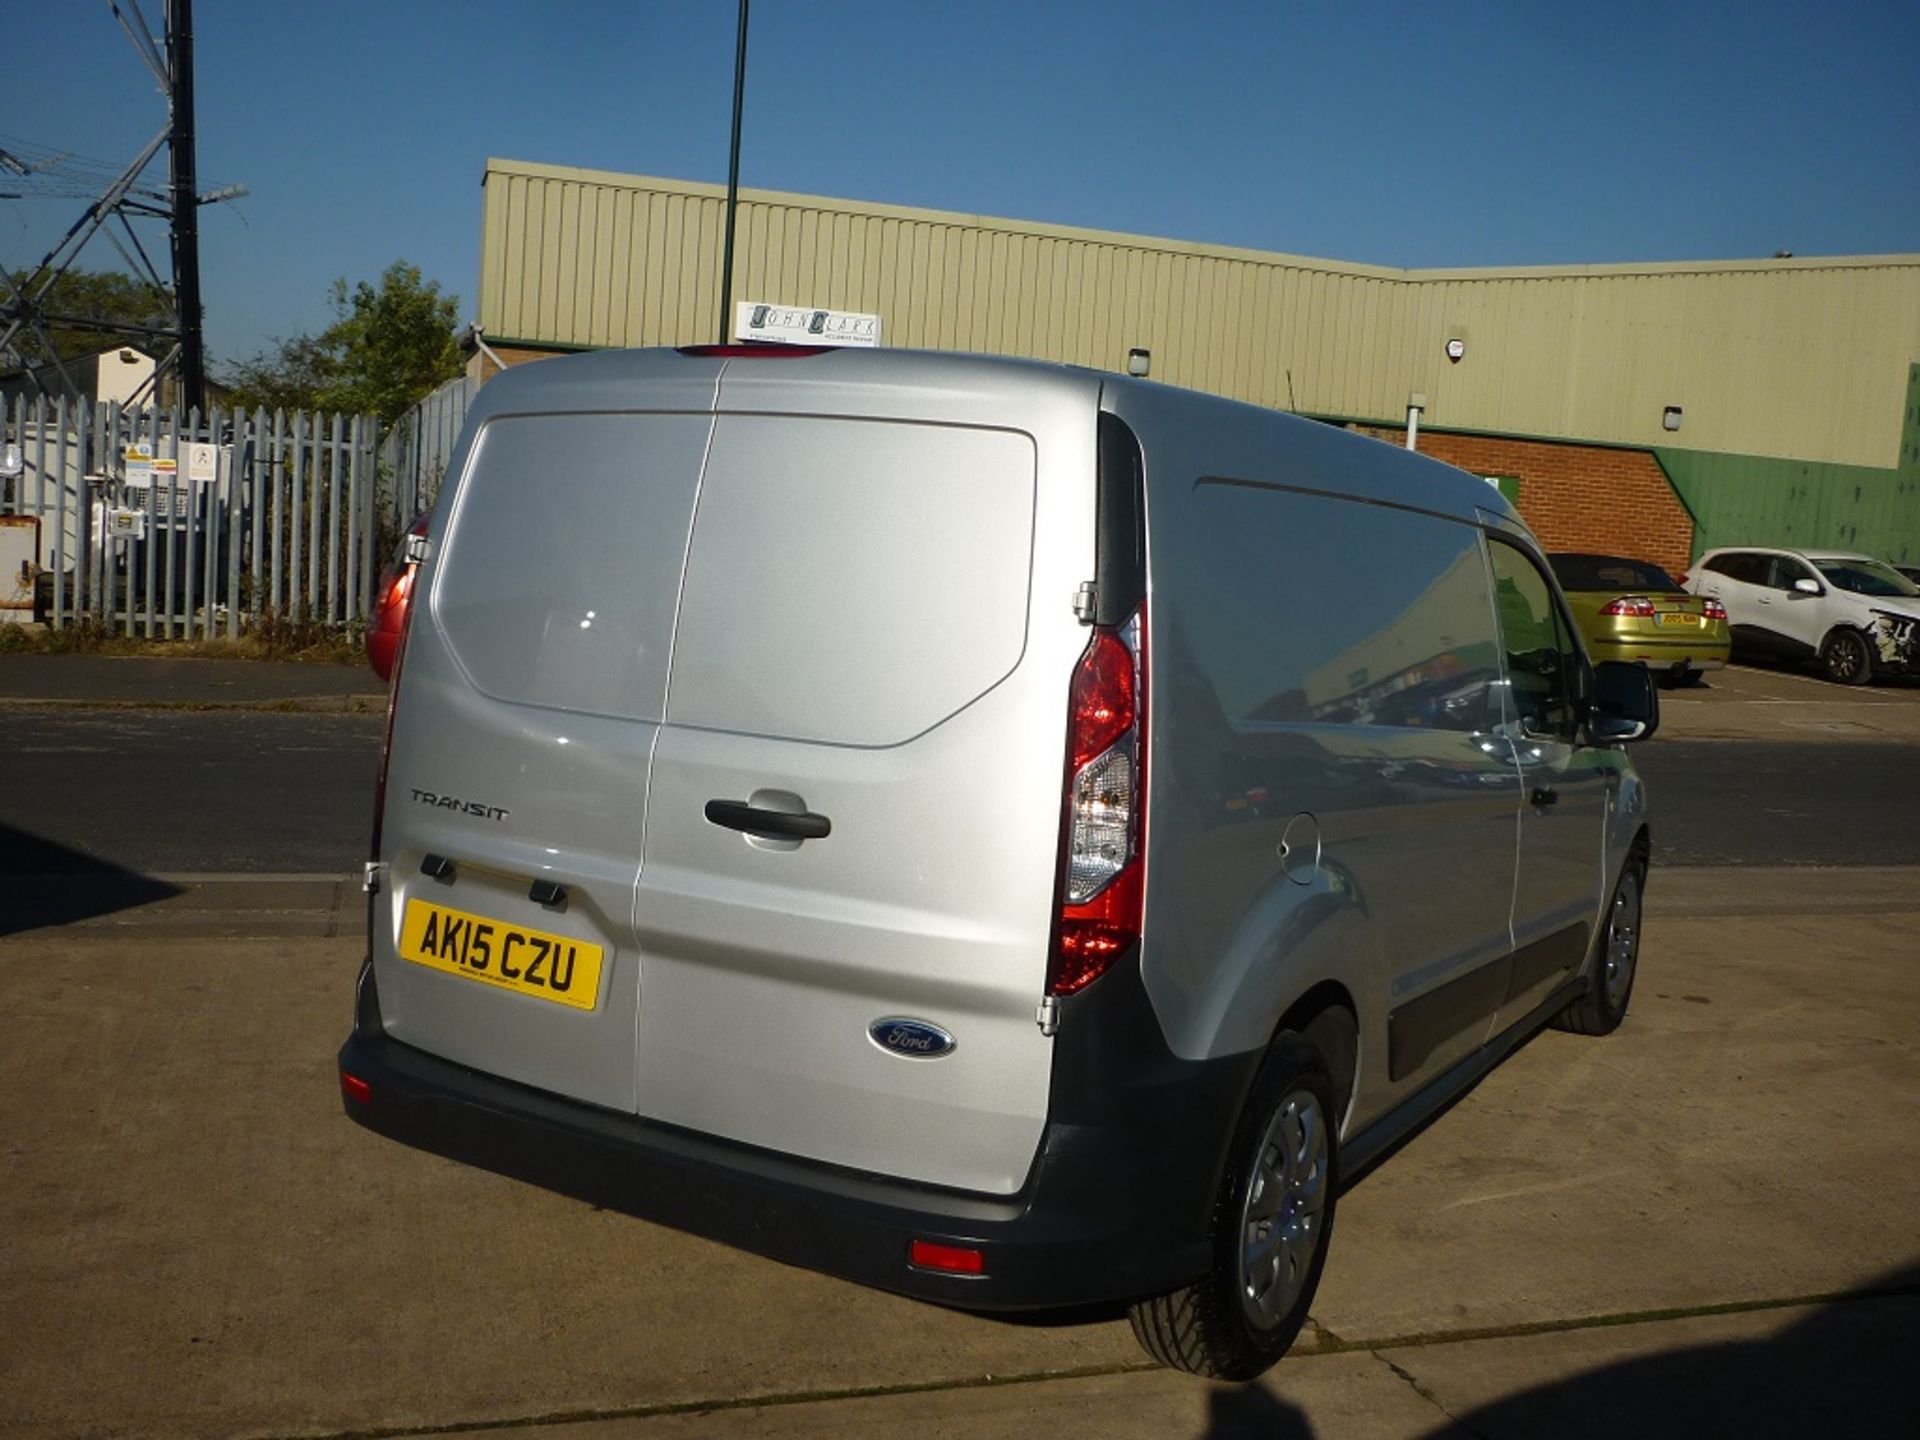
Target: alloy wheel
1282	1220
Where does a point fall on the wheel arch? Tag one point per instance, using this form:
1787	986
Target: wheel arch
1330	1020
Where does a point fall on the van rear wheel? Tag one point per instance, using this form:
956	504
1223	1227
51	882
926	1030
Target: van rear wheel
1272	1218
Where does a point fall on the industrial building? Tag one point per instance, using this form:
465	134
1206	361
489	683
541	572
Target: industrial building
1650	409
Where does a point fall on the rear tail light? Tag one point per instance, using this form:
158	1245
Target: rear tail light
403	623
355	1089
1714	610
1635	605
1682	581
1102	875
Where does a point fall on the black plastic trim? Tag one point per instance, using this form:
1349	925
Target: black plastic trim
1119	524
1116	1206
1419	1027
1546	957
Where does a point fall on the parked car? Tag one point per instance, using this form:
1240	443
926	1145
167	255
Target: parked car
1633	610
1853	614
797	825
393	600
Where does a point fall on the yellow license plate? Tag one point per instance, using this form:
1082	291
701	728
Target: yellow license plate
528	962
1677	619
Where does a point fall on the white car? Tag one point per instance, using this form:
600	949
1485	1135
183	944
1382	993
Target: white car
1856	615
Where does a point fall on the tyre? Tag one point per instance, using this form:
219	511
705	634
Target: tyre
1847	658
1272	1219
1616	958
1691	678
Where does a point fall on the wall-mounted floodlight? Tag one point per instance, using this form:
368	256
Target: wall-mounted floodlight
1139	362
1670	418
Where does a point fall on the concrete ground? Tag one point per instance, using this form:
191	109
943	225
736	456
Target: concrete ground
1703	1224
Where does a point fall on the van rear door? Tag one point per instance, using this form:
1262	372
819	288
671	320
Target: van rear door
866	639
530	695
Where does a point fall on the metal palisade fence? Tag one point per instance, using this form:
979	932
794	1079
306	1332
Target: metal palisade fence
417	450
161	525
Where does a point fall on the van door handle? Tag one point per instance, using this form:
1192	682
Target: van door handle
775	824
1543	796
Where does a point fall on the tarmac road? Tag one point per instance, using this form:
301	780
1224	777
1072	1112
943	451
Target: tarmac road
1760	768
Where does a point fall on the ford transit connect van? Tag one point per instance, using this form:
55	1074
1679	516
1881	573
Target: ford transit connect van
1007	834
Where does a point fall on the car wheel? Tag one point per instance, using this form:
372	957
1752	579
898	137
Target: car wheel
1691	678
1616	958
1847	659
1272	1218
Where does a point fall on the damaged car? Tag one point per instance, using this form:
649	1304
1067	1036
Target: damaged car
1855	616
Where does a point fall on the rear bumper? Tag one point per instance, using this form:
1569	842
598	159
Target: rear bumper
1658	654
1116	1207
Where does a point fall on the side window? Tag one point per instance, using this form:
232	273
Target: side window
1747	569
1542	658
1784	570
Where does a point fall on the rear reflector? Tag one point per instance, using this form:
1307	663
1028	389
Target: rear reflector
356	1089
953	1259
755	352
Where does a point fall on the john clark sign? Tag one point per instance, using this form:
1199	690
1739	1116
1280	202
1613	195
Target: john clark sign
791	325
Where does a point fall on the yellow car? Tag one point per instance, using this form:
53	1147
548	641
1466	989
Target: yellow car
1633	610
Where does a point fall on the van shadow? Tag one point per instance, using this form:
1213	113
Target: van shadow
44	883
1843	1370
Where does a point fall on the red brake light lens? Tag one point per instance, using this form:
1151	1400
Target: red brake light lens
1714	610
1638	606
356	1089
754	352
1103	696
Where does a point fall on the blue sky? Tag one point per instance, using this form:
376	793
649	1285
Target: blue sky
1390	133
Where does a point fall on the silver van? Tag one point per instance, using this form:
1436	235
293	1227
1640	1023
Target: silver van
1007	834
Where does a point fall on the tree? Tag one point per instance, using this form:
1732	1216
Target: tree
387	348
81	309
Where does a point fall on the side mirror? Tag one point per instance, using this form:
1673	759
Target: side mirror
1626	706
1808	587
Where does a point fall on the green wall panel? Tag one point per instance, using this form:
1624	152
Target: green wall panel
1756	500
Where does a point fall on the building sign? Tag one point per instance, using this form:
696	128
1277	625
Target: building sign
793	325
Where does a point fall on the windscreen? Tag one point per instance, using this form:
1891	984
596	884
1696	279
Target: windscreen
1868	577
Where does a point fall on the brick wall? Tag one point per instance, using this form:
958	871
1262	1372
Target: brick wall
481	368
1577	497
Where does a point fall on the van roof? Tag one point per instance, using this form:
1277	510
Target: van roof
809	380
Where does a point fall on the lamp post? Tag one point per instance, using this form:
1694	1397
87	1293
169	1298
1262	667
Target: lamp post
733	173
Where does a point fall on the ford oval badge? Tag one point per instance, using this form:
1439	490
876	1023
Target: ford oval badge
915	1039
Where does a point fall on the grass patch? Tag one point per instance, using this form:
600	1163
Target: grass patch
270	640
